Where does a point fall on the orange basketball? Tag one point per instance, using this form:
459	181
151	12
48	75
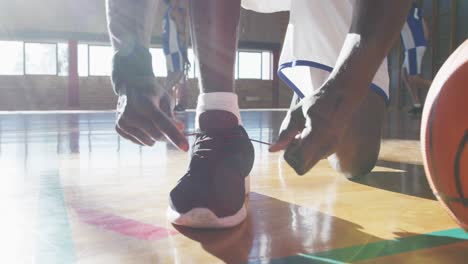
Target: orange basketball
444	135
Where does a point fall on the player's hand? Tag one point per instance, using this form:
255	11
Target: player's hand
313	128
144	109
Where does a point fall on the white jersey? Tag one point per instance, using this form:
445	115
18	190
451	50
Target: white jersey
316	32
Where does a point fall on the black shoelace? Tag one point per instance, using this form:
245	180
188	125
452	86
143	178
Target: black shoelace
189	134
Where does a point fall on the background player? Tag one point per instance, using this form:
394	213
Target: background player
414	36
174	42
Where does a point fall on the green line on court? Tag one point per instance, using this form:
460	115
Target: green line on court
54	242
378	249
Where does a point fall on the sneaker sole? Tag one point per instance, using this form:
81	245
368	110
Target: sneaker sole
205	218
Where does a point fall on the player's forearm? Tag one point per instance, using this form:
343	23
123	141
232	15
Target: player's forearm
130	23
376	25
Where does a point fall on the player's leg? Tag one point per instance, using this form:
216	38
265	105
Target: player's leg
417	78
180	94
214	26
414	81
212	192
359	147
413	91
174	40
172	79
421	82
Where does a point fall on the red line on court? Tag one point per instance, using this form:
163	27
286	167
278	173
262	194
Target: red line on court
122	225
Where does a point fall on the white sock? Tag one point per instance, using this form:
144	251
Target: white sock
217	101
417	105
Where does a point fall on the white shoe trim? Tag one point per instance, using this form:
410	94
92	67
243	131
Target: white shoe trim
205	218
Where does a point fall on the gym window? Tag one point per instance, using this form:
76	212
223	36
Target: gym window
12	55
19	58
267	65
40	58
83	60
159	62
254	65
94	60
100	60
250	65
62	59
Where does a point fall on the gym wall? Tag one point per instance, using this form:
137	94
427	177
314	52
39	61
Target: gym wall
53	21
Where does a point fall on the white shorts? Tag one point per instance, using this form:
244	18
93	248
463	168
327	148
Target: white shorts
413	60
316	32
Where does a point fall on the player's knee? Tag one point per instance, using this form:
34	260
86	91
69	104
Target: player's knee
356	165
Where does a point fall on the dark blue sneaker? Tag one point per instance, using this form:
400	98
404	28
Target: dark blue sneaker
212	193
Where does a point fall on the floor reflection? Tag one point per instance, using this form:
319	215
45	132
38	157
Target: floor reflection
102	197
270	234
81	132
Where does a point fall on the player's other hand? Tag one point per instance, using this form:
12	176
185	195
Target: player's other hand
313	128
144	109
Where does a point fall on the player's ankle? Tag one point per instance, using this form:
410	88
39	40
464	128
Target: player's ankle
216	119
217	110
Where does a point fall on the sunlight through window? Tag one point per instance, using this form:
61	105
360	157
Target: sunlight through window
41	58
11	53
83	64
62	59
250	65
100	60
159	62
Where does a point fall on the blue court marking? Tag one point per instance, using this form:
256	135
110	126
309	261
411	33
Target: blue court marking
54	241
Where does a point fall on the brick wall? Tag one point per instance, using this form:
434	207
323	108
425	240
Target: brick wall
33	92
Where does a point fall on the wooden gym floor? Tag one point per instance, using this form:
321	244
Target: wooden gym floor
72	191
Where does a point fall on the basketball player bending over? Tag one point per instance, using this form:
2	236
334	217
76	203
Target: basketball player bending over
338	116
